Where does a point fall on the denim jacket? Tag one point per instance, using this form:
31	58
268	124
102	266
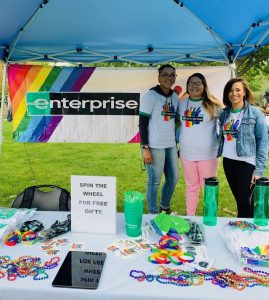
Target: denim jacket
252	136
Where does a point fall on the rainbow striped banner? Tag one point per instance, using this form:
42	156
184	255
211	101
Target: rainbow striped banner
25	79
102	102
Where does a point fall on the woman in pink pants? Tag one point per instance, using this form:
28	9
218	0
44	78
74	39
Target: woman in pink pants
198	138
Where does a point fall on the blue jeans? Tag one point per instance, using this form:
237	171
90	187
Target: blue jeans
164	161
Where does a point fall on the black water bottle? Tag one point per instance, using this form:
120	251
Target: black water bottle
211	196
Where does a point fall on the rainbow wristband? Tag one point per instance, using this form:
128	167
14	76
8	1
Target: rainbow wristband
158	258
13	238
186	257
29	237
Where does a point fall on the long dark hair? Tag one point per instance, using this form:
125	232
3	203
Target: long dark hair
210	102
248	97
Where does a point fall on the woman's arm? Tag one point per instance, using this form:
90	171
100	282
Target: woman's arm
261	136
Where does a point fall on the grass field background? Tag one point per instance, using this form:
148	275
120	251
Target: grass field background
26	164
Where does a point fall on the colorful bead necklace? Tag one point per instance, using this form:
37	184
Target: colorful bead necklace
26	266
243	225
222	277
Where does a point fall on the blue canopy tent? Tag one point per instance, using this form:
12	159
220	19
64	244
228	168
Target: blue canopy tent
151	31
148	32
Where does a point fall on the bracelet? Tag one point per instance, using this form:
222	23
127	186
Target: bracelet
29	237
186	258
13	238
159	258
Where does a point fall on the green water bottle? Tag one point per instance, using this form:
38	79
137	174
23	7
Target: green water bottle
261	198
211	196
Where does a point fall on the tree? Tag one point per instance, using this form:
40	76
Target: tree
257	62
255	69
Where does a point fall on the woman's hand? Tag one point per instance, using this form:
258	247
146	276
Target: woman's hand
147	156
254	178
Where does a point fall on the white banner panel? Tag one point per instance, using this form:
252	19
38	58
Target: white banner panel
63	104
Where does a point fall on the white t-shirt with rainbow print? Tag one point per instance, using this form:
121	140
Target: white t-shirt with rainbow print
197	134
230	130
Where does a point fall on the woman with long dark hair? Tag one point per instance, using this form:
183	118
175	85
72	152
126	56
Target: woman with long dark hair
198	139
243	143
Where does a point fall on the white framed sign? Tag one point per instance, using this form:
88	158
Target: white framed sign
93	204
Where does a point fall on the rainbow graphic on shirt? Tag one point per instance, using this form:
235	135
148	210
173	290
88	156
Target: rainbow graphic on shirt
168	112
192	117
230	130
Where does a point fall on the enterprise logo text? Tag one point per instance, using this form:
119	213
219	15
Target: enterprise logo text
44	103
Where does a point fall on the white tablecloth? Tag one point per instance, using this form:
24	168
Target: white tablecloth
115	282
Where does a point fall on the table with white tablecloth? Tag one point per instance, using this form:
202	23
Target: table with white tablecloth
115	281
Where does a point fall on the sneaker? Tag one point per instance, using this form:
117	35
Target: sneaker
166	210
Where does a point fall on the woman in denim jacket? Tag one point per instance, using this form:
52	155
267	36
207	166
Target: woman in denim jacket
243	143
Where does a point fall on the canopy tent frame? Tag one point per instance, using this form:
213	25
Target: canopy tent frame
22	29
2	104
208	28
224	51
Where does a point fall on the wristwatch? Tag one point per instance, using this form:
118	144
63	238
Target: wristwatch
145	146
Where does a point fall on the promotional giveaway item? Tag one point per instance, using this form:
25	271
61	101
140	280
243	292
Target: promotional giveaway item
261	202
27	234
12	218
162	223
128	248
168	251
133	212
211	194
248	242
80	270
220	277
258	256
56	229
33	225
195	234
25	266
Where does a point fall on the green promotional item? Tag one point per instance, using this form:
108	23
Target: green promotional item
162	223
211	196
261	202
133	212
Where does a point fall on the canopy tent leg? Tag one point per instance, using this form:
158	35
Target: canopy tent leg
2	105
232	68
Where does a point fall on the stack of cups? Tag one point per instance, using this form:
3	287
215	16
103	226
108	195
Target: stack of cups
133	212
211	196
261	202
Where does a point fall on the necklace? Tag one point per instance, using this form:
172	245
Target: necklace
221	277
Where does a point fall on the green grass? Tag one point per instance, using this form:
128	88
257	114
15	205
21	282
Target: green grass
26	164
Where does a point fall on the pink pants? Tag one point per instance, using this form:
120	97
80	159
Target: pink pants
194	174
